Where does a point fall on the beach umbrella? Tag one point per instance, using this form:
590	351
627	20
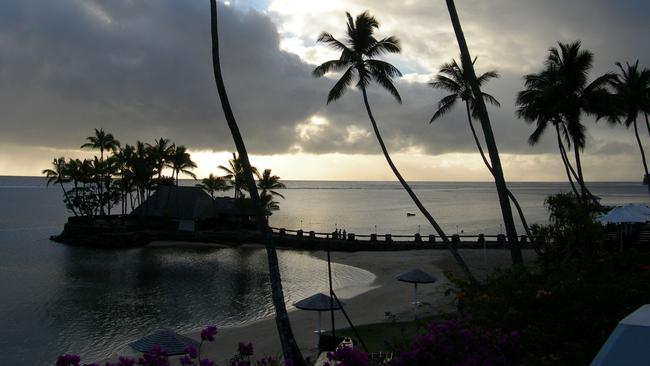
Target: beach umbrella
172	342
638	208
319	302
415	276
629	343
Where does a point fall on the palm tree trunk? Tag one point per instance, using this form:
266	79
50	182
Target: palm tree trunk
512	197
565	160
581	180
645	164
499	180
67	198
289	347
452	248
647	124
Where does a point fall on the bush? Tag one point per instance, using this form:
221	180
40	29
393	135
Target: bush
564	309
459	342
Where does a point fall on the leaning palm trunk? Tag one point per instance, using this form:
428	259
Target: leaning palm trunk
645	164
416	200
502	190
289	347
512	197
67	198
647	124
581	180
565	161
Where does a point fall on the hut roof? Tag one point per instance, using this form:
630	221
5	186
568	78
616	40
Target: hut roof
318	302
416	276
187	203
171	342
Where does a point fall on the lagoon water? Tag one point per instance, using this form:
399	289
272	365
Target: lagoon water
56	299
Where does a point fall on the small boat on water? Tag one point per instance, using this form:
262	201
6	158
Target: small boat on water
410	214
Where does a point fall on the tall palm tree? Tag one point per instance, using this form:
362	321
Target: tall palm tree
452	78
357	60
58	175
181	162
490	142
289	347
213	184
562	89
270	183
632	88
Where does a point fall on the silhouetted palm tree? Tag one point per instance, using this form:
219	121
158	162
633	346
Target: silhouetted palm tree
490	142
235	175
161	151
58	175
289	347
268	182
560	95
213	184
632	87
452	79
102	141
181	162
357	62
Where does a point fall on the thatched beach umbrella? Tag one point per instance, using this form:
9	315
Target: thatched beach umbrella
415	276
319	302
172	342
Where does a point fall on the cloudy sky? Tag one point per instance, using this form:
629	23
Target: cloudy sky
141	69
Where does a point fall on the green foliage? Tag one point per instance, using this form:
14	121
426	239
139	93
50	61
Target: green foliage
564	309
571	230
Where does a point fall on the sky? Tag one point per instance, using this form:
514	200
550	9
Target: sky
141	69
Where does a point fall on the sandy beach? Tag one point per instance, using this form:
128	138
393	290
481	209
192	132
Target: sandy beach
365	304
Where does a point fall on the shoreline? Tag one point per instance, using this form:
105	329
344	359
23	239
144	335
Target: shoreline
384	294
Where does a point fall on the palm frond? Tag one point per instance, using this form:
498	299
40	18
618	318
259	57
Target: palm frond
444	106
341	85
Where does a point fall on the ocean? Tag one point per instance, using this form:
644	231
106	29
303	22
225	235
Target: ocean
56	298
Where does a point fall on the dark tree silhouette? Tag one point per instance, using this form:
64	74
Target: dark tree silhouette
289	347
357	62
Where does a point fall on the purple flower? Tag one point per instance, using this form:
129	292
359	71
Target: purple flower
186	361
208	333
68	360
245	349
154	357
191	351
125	361
206	362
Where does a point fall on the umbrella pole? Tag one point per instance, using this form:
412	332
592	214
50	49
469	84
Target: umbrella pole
319	331
415	301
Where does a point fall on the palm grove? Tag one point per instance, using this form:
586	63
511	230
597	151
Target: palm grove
125	176
558	96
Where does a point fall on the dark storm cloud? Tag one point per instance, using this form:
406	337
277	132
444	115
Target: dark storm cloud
142	69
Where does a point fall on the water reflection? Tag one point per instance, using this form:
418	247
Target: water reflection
101	299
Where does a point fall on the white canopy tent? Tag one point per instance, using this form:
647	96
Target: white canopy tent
629	343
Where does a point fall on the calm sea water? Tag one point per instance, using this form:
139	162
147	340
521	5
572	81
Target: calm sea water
55	298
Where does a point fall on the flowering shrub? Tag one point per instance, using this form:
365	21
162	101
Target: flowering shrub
346	356
458	343
192	357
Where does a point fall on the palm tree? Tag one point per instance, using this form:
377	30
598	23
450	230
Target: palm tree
632	87
452	78
357	60
59	175
268	182
104	142
235	175
490	142
289	347
213	184
181	162
162	151
563	90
